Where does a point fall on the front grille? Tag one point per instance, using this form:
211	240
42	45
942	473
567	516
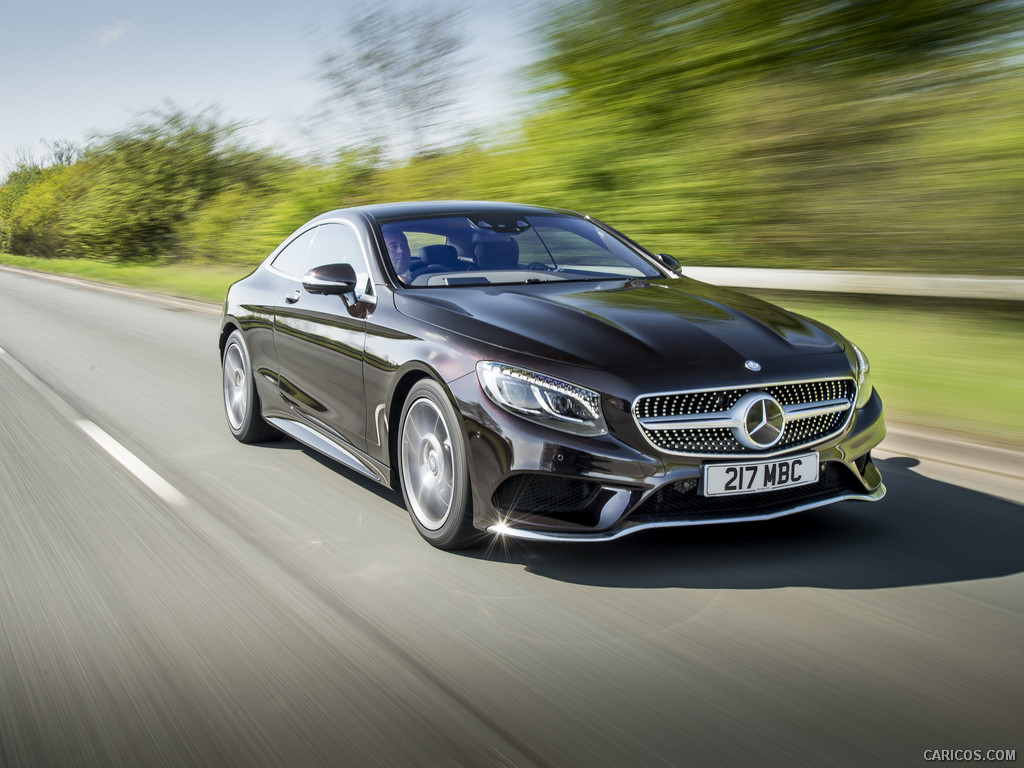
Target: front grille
710	440
544	495
680	501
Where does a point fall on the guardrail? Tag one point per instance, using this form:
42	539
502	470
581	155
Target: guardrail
878	283
832	281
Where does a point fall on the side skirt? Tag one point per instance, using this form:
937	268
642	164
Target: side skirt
345	455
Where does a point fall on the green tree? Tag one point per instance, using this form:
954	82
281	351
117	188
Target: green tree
23	178
15	186
392	75
35	222
245	222
145	182
803	133
652	58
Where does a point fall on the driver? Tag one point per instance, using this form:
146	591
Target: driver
398	250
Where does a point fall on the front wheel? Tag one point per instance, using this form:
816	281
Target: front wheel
241	401
433	468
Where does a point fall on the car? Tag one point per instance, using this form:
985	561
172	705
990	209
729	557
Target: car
527	372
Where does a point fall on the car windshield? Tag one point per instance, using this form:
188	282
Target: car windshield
507	247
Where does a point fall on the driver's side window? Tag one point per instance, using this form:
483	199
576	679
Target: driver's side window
335	244
339	244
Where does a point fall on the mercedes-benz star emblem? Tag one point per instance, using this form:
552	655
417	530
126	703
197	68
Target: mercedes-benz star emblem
762	420
752	365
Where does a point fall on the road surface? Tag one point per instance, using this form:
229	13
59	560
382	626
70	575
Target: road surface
169	596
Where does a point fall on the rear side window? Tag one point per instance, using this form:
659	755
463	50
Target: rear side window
293	256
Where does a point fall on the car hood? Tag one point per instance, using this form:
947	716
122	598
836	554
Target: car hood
614	326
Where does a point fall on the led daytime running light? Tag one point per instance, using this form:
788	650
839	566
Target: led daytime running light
864	386
543	399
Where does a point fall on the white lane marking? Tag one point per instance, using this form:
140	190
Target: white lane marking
133	464
139	469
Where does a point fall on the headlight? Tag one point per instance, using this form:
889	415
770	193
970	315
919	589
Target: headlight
542	399
864	385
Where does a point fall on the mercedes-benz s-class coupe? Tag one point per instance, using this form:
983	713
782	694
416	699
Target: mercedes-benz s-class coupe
530	372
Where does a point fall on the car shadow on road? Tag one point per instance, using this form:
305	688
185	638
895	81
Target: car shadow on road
363	481
923	532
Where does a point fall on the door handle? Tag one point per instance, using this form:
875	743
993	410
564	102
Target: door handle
292	297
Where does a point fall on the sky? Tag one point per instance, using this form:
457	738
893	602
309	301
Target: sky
73	69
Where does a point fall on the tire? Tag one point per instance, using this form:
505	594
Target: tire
241	400
433	469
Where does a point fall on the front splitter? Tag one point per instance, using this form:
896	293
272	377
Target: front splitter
627	528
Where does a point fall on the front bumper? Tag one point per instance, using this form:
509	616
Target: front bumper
534	483
631	525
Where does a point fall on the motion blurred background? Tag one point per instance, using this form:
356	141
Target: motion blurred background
870	135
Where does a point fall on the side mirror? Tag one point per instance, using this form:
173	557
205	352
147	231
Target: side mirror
669	261
330	279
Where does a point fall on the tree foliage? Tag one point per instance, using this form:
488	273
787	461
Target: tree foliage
797	132
36	223
656	55
146	181
846	134
393	74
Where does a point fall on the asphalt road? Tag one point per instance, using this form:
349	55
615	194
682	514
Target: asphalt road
169	596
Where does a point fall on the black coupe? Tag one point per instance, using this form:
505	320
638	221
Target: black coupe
531	372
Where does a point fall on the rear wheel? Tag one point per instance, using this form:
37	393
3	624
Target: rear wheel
241	400
433	468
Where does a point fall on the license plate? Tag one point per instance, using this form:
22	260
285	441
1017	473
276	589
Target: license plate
759	476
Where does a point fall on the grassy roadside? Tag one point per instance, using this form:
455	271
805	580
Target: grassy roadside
958	369
207	282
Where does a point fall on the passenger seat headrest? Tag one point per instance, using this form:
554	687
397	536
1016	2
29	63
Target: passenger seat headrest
501	254
439	255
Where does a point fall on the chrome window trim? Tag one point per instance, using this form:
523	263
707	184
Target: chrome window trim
275	271
364	293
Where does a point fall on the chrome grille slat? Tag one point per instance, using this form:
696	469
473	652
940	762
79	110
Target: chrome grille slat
807	410
690	421
699	423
